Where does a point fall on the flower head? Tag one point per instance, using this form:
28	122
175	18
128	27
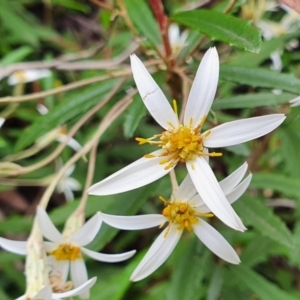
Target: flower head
38	283
184	142
185	210
65	250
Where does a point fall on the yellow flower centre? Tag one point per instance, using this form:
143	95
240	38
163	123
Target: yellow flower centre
182	214
66	252
180	144
21	76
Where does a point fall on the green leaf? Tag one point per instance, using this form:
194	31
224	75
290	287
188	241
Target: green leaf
216	283
251	60
254	213
73	4
141	16
189	270
73	105
15	25
252	100
264	289
191	43
257	251
295	251
136	111
222	27
260	77
279	183
16	55
290	137
113	286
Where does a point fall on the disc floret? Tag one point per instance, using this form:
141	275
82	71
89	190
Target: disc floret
180	144
181	214
67	251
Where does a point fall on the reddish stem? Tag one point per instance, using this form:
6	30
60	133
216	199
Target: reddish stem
162	20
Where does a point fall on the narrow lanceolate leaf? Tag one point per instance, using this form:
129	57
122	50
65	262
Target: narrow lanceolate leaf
134	114
222	27
279	183
216	283
262	288
73	105
295	251
252	100
251	60
260	77
257	251
189	270
142	17
254	213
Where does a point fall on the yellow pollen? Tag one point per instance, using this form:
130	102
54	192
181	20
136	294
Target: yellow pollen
175	107
181	214
180	144
66	252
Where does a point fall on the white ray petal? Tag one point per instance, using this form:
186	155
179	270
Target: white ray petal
87	232
79	276
211	193
45	293
237	132
214	241
231	181
133	222
46	226
186	190
112	258
71	142
50	246
77	291
153	97
197	201
18	247
2	120
158	253
294	102
236	193
58	267
135	175
204	88
28	75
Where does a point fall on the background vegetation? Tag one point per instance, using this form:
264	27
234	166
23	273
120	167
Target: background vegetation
86	45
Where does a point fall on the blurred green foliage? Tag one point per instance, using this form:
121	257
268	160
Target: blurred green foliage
41	31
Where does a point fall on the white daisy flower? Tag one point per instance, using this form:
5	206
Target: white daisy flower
184	143
177	40
65	250
183	211
24	76
36	268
